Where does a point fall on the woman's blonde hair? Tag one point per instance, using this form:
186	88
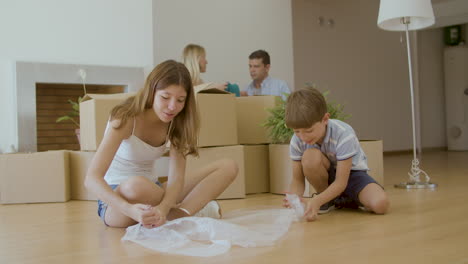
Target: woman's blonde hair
185	126
190	57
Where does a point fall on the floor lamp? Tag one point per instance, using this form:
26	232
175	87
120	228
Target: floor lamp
406	15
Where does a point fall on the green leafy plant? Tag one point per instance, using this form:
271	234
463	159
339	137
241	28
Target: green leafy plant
72	114
75	105
336	110
280	134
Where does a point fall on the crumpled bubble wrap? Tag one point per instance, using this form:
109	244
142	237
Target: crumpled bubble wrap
205	237
297	206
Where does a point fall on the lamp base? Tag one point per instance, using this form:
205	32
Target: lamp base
416	185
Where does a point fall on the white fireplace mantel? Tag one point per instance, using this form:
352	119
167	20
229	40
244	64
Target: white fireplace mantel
30	73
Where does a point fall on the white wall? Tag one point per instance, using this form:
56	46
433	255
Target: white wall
365	68
431	88
104	32
229	31
450	12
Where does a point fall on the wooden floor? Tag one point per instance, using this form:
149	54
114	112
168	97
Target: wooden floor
423	226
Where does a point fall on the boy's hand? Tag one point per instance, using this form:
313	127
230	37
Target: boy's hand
286	202
312	209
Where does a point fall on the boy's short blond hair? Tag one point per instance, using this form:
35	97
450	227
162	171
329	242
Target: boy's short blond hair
304	108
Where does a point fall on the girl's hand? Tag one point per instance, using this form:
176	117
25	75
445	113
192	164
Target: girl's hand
312	209
147	215
140	213
160	215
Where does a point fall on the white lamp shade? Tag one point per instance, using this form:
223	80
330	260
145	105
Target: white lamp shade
391	11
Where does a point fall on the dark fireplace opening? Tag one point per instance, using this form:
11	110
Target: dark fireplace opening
52	102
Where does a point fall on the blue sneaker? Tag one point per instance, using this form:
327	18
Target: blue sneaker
345	202
327	207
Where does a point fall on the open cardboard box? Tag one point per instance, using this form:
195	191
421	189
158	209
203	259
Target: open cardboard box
218	118
94	113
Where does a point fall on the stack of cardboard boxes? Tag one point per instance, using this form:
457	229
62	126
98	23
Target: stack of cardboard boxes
230	128
58	176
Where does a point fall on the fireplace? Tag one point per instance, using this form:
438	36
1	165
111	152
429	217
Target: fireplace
53	101
32	79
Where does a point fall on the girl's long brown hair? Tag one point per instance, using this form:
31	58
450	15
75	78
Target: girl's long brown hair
185	126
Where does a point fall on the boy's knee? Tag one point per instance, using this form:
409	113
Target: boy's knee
380	206
311	159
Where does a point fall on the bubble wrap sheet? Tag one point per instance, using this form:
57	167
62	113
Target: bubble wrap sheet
205	237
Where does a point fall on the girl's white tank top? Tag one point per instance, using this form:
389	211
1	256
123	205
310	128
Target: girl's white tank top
134	158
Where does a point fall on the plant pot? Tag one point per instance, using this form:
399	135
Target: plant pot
77	132
280	168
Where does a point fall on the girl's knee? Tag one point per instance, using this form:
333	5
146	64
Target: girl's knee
230	168
135	188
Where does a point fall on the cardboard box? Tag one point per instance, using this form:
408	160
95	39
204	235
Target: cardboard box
256	169
79	164
251	113
374	153
39	177
256	166
94	113
208	155
281	166
218	118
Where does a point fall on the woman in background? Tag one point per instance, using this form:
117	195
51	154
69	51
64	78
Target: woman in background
194	58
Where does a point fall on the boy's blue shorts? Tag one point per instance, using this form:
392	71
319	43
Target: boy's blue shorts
358	179
102	206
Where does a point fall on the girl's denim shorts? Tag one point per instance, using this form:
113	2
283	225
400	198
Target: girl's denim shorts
102	206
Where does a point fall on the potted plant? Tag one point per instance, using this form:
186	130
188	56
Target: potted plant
74	113
280	134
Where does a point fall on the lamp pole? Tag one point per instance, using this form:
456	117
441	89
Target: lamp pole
414	174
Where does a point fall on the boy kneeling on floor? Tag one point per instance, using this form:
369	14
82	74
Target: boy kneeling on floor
328	154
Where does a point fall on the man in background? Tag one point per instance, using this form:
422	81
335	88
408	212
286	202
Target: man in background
262	83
